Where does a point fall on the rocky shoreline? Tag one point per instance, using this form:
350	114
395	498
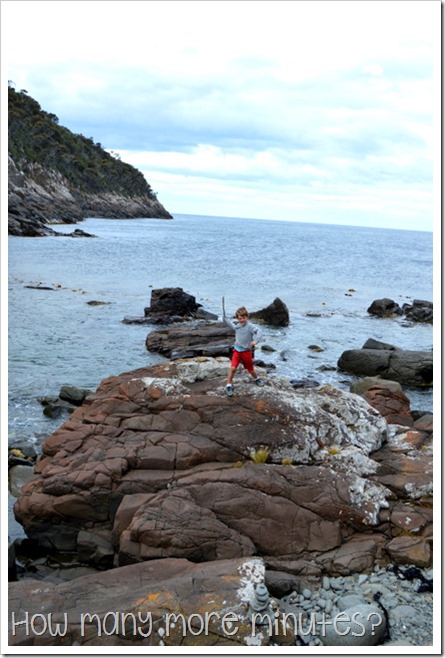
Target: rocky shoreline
297	500
39	198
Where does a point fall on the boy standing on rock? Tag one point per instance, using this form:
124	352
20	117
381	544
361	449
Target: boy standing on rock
247	336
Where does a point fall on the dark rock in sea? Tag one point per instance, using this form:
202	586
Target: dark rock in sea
419	311
385	308
411	368
168	303
73	394
275	315
78	233
69	398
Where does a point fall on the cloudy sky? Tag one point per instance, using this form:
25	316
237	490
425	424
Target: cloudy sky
317	111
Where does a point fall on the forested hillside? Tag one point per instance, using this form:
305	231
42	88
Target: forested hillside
57	176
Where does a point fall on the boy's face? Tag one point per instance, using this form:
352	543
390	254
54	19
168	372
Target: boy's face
242	319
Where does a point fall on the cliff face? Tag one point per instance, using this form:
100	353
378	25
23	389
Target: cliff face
55	176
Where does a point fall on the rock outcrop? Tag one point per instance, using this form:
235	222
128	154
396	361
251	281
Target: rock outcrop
38	197
158	462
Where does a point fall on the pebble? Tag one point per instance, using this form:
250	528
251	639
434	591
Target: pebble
410	613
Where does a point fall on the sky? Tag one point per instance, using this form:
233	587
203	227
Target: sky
314	111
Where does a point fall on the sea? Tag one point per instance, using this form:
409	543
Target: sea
327	276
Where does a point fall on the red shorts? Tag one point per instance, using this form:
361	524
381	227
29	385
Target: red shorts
242	357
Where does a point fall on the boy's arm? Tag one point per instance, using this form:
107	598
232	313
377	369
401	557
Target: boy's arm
257	334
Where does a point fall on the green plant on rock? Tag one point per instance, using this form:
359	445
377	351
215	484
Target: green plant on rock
259	455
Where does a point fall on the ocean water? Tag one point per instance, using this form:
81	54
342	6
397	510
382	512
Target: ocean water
326	275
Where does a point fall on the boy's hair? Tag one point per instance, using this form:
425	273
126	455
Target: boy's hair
242	311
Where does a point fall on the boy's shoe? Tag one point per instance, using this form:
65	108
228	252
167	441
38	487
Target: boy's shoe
259	382
229	389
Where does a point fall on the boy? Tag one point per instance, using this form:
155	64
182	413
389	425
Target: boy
246	337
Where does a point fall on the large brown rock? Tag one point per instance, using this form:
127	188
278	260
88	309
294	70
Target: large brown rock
159	462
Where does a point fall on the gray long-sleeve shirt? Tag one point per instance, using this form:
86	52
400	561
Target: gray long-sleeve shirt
244	333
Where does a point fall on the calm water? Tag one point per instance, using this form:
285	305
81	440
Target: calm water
55	337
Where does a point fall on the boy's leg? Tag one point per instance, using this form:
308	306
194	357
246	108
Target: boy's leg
229	387
230	375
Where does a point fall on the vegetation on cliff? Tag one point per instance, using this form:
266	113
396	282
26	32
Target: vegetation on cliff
35	136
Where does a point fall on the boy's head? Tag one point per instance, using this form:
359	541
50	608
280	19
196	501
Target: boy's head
242	314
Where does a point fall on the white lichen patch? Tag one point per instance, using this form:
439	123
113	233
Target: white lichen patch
325	416
415	492
168	385
369	495
351	457
251	573
202	368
